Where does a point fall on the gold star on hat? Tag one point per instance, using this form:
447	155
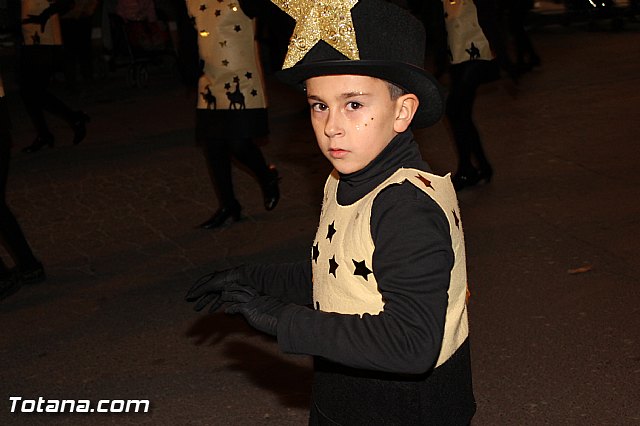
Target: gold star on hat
327	20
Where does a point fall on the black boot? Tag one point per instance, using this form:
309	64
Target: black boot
79	126
222	215
33	274
9	284
270	189
40	142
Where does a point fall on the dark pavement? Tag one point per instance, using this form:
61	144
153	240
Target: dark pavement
552	247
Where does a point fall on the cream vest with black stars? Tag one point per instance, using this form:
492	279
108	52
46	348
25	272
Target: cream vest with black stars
232	74
465	37
344	278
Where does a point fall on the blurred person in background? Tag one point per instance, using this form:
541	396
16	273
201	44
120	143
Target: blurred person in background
477	53
40	56
517	13
27	269
77	28
231	111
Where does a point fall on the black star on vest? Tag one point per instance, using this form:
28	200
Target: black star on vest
333	265
455	217
316	253
361	269
331	231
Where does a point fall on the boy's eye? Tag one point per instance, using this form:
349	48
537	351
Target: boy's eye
318	107
354	105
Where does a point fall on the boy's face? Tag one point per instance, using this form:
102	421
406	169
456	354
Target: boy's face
354	118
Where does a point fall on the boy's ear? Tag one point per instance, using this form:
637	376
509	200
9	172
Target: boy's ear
406	107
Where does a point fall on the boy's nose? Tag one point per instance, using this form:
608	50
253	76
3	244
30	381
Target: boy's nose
333	127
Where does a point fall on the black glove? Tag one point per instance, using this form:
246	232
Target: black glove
209	288
262	312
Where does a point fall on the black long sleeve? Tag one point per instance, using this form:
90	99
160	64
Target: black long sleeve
289	282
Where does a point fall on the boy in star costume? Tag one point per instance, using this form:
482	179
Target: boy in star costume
381	303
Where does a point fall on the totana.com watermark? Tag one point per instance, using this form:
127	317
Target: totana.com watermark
42	405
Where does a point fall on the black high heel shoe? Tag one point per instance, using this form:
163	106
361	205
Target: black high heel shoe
79	127
9	284
486	173
39	143
33	274
271	190
471	177
222	215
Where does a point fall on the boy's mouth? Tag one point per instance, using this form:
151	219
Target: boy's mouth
337	152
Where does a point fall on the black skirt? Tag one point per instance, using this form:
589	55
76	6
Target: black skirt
231	124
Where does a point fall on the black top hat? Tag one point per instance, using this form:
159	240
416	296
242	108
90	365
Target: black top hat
391	46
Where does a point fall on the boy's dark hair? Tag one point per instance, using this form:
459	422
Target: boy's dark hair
395	91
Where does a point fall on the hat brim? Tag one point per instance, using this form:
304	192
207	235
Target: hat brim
413	79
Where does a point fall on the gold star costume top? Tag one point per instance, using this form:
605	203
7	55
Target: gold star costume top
344	277
232	78
464	34
33	34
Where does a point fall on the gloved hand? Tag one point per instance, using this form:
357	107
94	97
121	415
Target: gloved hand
262	312
238	293
209	288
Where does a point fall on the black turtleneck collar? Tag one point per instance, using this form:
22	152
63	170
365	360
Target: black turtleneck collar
402	151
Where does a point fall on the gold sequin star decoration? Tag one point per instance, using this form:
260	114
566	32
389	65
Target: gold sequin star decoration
327	20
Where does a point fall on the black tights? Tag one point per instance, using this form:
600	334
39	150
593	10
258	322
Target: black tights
11	235
76	33
518	13
466	77
219	152
37	66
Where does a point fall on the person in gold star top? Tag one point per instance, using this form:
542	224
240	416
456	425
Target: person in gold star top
232	107
381	303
